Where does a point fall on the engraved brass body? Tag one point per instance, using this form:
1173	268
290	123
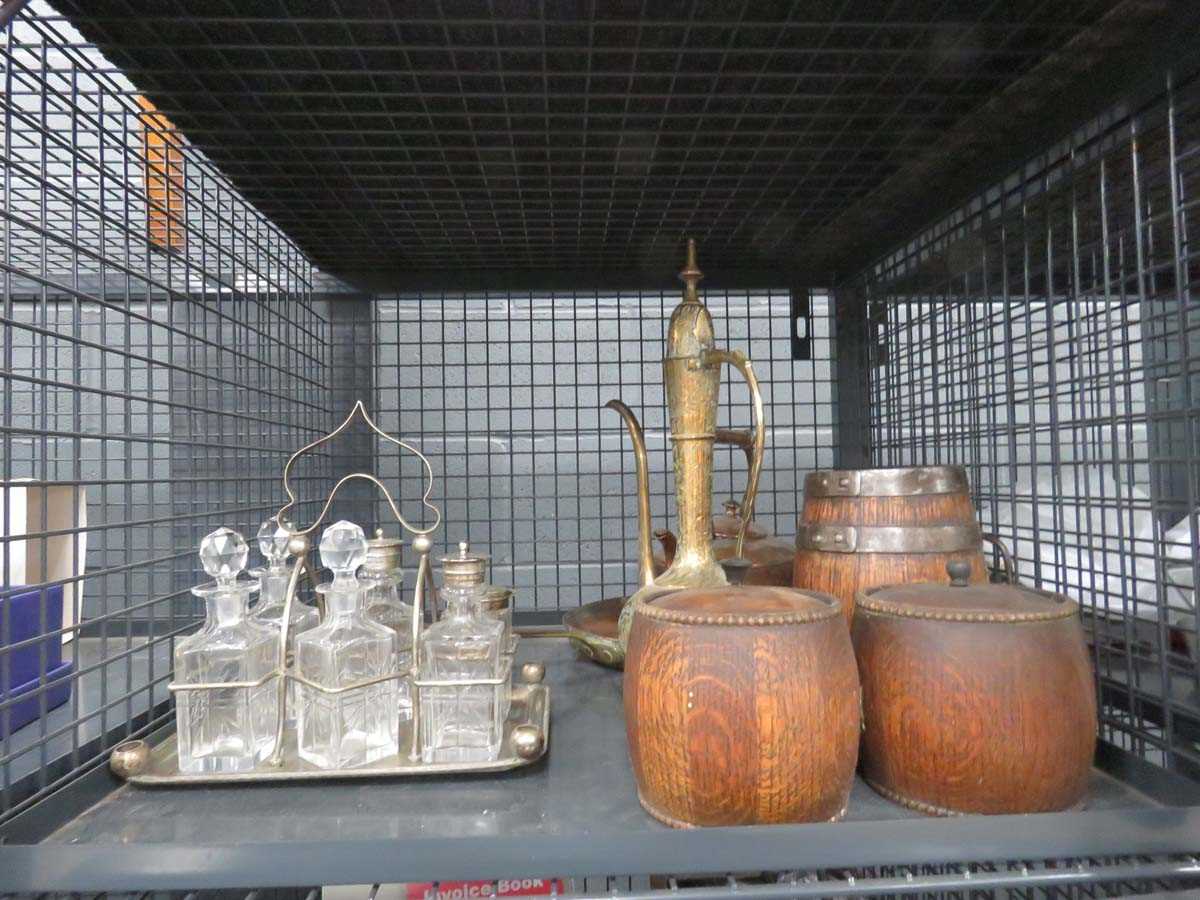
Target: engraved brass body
692	373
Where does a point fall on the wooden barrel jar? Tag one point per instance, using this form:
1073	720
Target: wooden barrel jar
742	706
976	698
861	528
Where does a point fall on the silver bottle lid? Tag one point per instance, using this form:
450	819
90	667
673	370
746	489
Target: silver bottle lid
464	568
383	553
496	598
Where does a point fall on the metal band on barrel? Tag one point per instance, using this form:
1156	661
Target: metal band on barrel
887	482
888	538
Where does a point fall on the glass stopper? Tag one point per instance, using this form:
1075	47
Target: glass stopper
223	553
273	537
343	549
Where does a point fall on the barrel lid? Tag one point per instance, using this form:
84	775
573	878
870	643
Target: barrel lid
741	606
960	601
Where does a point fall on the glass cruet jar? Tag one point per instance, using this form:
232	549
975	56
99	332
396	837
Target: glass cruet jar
358	726
497	603
382	578
226	729
273	537
464	722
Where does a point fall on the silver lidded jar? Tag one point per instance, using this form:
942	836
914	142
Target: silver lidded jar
498	604
461	721
382	580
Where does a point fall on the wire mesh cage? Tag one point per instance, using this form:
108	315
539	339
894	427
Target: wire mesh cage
154	383
1044	337
167	346
507	392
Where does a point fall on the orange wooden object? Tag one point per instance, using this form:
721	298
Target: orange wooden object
741	707
925	510
976	698
163	156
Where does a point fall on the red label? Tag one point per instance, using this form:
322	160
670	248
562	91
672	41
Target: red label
478	890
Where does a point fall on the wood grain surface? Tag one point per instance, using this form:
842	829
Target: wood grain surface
742	724
975	717
845	574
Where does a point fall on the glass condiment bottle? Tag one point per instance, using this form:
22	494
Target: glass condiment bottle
462	723
226	729
359	726
382	578
273	538
498	603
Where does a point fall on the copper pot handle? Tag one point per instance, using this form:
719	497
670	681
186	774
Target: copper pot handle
738	360
1010	570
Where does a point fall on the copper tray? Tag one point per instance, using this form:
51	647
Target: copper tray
592	630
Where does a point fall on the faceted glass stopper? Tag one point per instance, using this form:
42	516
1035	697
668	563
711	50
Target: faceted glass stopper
223	553
343	548
273	538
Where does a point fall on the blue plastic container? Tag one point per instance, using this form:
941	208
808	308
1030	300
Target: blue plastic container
21	620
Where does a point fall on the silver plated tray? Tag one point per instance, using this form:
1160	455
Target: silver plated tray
526	738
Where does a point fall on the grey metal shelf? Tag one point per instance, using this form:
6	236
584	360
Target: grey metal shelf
575	814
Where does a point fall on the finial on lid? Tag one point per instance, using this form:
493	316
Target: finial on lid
690	274
343	549
223	553
465	567
378	533
959	571
274	536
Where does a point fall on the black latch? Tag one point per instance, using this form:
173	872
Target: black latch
801	324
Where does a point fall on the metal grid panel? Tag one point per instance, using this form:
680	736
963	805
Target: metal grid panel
491	135
505	392
161	358
1045	337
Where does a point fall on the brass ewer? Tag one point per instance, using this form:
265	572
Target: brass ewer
692	373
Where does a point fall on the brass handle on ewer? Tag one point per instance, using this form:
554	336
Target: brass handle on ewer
738	360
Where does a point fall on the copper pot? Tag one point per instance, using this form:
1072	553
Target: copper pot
770	557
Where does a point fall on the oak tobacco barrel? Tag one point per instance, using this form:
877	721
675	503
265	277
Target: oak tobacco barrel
742	706
976	698
861	528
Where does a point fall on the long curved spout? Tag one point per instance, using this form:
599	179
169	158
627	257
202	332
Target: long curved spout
645	559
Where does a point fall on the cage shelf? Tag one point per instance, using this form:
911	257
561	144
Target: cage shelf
574	814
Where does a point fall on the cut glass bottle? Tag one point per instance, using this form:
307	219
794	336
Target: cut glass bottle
226	729
273	538
382	579
358	726
465	722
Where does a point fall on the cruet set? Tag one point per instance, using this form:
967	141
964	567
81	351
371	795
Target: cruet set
360	681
